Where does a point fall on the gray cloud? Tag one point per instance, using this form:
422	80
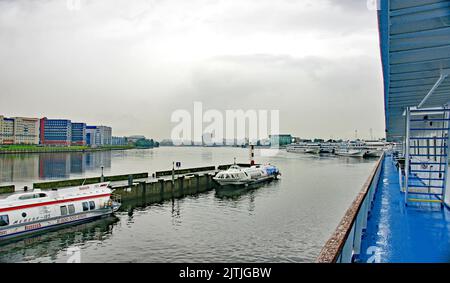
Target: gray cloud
129	64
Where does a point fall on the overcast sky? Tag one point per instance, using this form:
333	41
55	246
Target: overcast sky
131	63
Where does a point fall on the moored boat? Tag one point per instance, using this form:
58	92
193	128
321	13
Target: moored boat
236	176
350	152
309	148
36	211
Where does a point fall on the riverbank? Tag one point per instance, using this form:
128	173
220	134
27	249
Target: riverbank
14	149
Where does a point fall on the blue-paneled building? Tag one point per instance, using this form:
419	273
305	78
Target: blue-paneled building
56	132
78	134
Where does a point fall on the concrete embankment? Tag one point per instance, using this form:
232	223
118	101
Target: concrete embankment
162	189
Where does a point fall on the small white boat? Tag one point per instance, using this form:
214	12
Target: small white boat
309	148
236	175
35	211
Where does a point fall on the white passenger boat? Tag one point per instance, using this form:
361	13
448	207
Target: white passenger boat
35	211
328	148
351	149
309	148
236	175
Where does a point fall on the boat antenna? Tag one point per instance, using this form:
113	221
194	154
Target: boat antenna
235	161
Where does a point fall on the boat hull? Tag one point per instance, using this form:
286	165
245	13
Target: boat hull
31	228
305	151
351	154
373	153
237	183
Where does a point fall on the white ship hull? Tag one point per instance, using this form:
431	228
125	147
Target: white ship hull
236	176
351	153
37	211
51	224
304	150
244	182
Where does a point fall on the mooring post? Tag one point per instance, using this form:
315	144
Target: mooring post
130	180
197	182
144	187
173	172
161	188
102	177
181	184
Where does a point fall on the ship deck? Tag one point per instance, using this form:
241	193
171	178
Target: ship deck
417	233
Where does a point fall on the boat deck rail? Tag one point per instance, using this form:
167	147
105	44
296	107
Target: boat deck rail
345	244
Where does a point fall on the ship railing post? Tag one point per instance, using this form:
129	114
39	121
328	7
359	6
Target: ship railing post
407	148
446	154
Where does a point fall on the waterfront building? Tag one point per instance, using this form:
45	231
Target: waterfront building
6	130
78	134
119	140
55	132
19	130
98	135
135	138
26	130
280	140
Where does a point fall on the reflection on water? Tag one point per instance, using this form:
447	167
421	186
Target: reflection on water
283	221
19	168
50	246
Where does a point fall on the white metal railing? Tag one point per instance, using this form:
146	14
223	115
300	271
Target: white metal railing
344	246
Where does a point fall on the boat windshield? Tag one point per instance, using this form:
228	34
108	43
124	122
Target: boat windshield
33	196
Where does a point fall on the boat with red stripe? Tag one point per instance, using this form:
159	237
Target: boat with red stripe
36	211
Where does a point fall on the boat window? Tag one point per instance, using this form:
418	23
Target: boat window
91	205
32	196
4	220
25	197
63	210
85	206
71	209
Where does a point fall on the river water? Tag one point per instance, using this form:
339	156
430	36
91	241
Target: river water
285	221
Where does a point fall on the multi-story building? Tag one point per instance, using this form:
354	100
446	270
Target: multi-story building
119	141
280	140
19	130
98	135
106	133
56	132
26	130
6	130
78	134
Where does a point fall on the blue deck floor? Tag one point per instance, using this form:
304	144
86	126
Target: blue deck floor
417	233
